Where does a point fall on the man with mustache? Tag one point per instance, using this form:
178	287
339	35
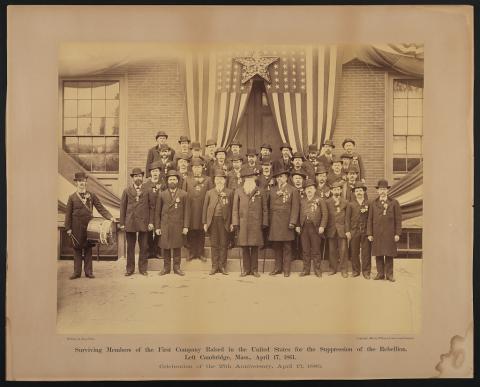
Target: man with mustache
234	180
154	185
154	153
265	152
285	162
326	157
349	145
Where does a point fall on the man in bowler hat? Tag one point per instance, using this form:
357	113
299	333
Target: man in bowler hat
154	185
154	153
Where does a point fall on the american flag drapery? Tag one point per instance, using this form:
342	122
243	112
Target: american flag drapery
304	92
216	99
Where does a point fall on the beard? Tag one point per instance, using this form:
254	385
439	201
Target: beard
249	186
172	185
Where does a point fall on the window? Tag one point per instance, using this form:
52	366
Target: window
91	113
407	125
410	243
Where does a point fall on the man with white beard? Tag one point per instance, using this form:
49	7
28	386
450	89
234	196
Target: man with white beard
249	217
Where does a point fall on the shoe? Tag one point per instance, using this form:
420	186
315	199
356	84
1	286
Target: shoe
243	274
275	272
212	272
75	276
203	259
332	273
145	273
303	274
355	274
179	272
344	275
391	279
366	276
379	277
128	273
223	271
89	276
163	272
318	273
256	274
286	274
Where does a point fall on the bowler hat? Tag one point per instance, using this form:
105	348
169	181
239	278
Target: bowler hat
161	133
196	161
266	146
320	169
155	165
337	183
210	142
220	150
312	148
359	184
246	171
285	145
251	152
236	142
352	168
346	156
329	142
382	183
219	172
172	172
183	139
137	171
164	147
80	176
183	156
280	171
298	155
237	158
309	183
300	173
196	146
336	159
347	140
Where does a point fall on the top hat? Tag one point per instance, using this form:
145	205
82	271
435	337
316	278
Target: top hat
246	171
196	146
280	171
309	183
161	133
347	140
183	139
312	148
285	145
382	183
266	146
329	142
236	158
80	176
137	171
155	165
172	172
320	169
197	161
298	155
251	152
220	150
236	142
359	184
211	142
219	172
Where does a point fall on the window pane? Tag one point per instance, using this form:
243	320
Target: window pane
84	144
415	107
84	126
399	145
399	165
98	162
99	145
70	90
98	126
112	162
400	125
98	108
111	126
112	144
399	89
85	108
98	90
70	144
415	89
414	145
415	125
112	90
84	90
400	107
113	107
70	108
412	163
70	126
415	240
402	243
84	161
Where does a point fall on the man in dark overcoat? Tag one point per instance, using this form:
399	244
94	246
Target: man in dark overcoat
234	178
337	239
217	220
356	231
220	162
78	213
312	223
384	229
299	165
349	145
284	205
249	218
172	218
285	161
326	156
154	185
196	187
136	218
154	153
265	179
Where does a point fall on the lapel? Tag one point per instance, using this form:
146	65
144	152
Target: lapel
85	203
255	190
171	197
215	197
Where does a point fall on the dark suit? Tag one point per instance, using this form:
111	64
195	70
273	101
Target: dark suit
337	240
218	221
136	213
154	155
326	161
356	224
77	216
282	164
154	189
234	180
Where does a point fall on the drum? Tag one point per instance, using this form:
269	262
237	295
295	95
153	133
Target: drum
100	230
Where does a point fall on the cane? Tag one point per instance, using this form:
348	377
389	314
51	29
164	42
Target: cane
75	241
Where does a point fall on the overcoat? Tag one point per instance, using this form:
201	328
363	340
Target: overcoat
196	189
326	161
317	209
234	180
250	213
323	191
211	199
383	228
284	206
266	182
135	214
172	214
154	155
77	216
336	218
357	217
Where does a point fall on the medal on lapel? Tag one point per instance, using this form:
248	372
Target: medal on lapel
177	200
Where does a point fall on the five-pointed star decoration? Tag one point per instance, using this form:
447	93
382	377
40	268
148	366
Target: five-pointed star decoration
256	65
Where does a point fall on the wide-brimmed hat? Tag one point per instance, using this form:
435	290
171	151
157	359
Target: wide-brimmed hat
220	150
183	139
247	171
210	142
196	146
236	158
300	173
298	155
161	133
337	183
252	152
346	156
155	165
80	176
280	171
285	145
353	168
382	183
137	171
329	142
359	184
173	172
266	146
219	172
347	140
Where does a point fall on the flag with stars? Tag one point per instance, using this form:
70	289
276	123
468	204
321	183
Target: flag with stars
304	92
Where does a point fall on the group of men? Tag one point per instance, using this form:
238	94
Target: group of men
314	204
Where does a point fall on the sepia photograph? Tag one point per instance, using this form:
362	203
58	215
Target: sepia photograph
225	181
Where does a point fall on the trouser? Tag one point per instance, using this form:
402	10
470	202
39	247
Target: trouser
153	249
267	244
324	250
283	255
196	241
360	251
310	247
143	253
219	243
167	259
78	258
297	247
338	250
385	266
250	259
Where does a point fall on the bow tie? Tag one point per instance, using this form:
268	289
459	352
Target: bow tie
82	194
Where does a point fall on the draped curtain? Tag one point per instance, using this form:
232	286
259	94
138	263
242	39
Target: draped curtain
409	193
